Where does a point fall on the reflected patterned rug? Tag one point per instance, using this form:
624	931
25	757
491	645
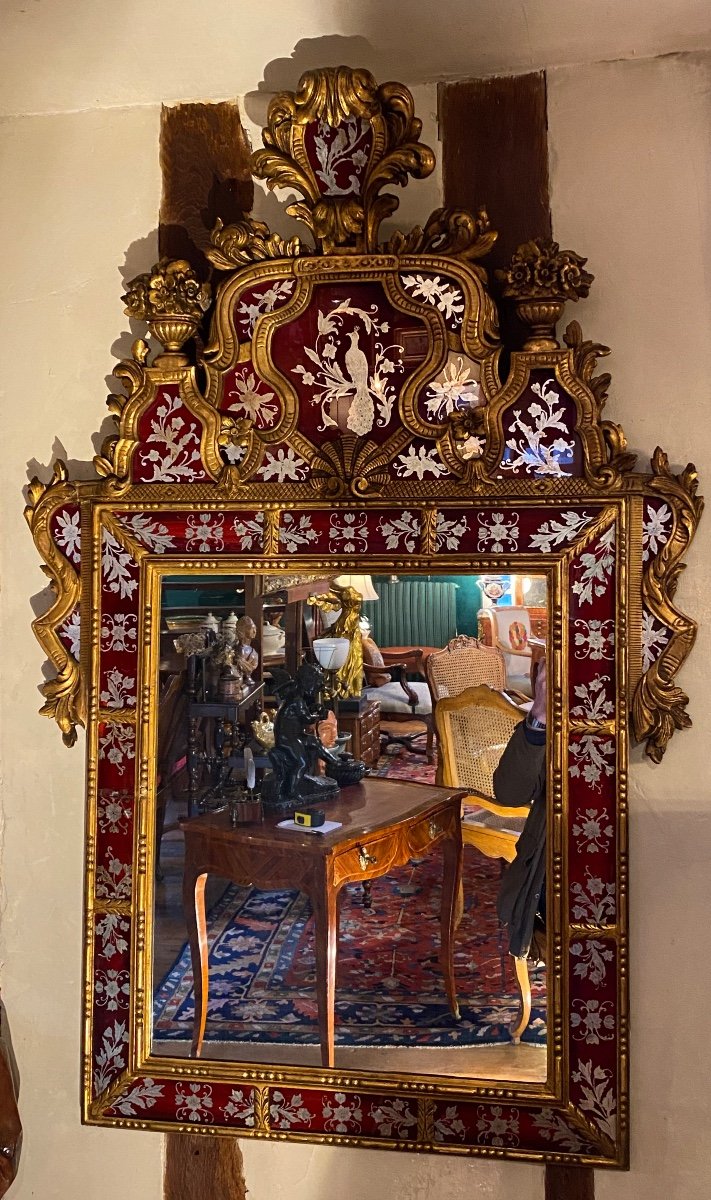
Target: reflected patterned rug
390	990
400	763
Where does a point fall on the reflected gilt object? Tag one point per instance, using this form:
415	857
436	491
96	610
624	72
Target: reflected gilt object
363	584
263	730
247	657
346	601
226	647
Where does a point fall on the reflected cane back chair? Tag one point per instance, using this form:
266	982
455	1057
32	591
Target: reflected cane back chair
465	662
473	729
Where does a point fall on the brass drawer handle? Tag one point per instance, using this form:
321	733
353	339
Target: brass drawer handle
366	860
434	829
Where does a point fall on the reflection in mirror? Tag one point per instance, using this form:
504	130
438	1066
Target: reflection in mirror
435	956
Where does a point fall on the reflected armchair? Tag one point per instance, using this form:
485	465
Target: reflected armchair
465	662
400	699
473	730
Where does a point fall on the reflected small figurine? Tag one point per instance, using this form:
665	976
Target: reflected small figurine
247	657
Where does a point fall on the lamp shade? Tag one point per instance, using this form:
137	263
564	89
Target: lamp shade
331	652
359	583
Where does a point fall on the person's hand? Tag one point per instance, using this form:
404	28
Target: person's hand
539	708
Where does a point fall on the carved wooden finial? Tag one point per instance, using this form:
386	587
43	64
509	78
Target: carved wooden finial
172	300
540	279
338	140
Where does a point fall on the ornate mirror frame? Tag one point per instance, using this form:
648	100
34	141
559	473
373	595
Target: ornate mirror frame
262	453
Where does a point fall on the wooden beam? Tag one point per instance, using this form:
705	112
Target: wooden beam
205	161
569	1183
198	1166
495	153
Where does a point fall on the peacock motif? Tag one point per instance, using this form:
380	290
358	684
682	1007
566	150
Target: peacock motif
361	413
365	382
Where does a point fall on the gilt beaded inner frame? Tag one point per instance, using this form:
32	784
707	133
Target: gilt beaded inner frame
347	405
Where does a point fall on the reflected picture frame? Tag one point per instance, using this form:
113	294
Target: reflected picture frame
233	460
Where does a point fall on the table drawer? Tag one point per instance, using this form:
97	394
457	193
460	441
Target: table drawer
431	829
371	859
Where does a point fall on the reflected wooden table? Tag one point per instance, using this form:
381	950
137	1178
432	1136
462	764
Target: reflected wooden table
384	823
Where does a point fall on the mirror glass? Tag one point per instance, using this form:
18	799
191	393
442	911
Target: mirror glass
226	642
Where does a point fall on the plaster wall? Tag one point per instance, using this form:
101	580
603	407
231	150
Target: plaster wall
75	54
79	192
631	176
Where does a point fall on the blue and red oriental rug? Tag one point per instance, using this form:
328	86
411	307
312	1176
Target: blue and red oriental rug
390	990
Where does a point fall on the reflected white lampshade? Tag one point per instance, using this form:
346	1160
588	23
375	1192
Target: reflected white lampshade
359	583
331	652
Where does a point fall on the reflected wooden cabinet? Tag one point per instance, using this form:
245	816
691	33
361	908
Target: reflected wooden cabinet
364	728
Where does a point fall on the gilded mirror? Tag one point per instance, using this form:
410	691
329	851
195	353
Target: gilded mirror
342	414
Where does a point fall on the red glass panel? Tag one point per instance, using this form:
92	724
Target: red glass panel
65	530
347	356
244	394
539	432
253	302
169	442
338	155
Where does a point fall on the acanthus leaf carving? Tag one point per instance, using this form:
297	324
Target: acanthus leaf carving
585	356
454	232
248	241
132	374
372	128
659	705
65	698
619	461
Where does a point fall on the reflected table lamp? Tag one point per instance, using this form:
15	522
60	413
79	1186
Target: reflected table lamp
331	654
364	585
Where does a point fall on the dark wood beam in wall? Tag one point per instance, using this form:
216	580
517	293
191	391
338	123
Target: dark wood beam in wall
569	1183
205	161
198	1168
494	136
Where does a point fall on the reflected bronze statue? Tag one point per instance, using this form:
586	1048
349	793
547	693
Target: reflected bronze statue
297	747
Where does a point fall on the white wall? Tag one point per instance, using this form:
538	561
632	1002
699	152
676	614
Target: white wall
631	180
79	192
72	209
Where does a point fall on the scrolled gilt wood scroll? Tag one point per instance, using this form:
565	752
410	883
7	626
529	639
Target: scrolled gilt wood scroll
331	399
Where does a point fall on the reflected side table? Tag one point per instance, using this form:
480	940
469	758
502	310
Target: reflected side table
384	823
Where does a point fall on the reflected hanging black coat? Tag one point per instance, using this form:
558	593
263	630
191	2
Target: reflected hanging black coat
519	779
